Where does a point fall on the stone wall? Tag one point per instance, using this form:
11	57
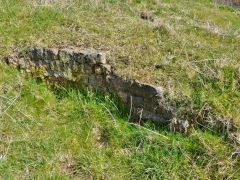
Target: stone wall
91	69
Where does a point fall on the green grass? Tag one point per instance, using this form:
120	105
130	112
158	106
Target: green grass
82	134
67	134
197	42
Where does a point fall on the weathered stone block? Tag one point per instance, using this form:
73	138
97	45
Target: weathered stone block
80	68
79	56
74	65
92	81
95	58
109	84
100	58
65	55
98	70
50	54
61	67
35	53
123	97
140	113
151	103
88	59
44	64
136	101
155	105
106	69
145	90
95	81
121	84
88	68
68	72
53	65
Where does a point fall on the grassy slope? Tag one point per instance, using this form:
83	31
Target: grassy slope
197	42
71	134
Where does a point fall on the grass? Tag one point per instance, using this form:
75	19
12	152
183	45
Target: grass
196	44
67	134
82	134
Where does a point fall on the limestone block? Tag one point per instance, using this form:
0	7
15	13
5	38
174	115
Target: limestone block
95	58
88	59
98	70
100	58
155	105
106	69
44	64
165	113
91	81
67	71
109	84
61	67
79	56
140	113
136	101
95	81
75	66
121	84
153	116
151	103
88	68
123	97
145	90
53	65
80	68
37	63
35	53
65	55
50	54
99	80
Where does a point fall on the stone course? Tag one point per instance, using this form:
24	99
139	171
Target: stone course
91	69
